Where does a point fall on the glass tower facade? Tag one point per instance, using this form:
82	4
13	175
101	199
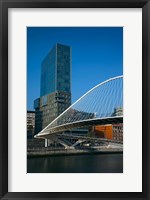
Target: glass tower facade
55	90
56	70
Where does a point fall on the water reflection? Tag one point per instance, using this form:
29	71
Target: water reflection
100	163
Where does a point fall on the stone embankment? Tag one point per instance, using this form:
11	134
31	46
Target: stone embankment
54	152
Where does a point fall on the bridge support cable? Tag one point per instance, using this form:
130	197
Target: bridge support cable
102	104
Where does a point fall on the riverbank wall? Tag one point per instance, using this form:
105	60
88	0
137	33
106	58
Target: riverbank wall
44	152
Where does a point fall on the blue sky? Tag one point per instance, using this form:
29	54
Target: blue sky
97	54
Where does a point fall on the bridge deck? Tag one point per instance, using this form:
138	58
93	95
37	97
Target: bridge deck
80	124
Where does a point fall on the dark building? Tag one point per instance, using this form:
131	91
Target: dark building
55	90
30	124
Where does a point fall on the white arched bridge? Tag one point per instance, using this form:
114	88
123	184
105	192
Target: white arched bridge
101	105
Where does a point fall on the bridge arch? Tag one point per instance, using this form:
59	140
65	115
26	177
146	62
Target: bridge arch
103	103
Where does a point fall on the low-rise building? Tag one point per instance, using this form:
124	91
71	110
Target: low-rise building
118	132
111	131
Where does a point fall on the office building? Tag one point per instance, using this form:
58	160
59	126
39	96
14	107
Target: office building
55	89
30	124
55	70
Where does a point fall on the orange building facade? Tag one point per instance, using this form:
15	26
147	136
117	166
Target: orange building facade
112	132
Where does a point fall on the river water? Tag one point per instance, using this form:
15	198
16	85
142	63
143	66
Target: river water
94	163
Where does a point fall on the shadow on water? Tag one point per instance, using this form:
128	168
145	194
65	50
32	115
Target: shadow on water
98	163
